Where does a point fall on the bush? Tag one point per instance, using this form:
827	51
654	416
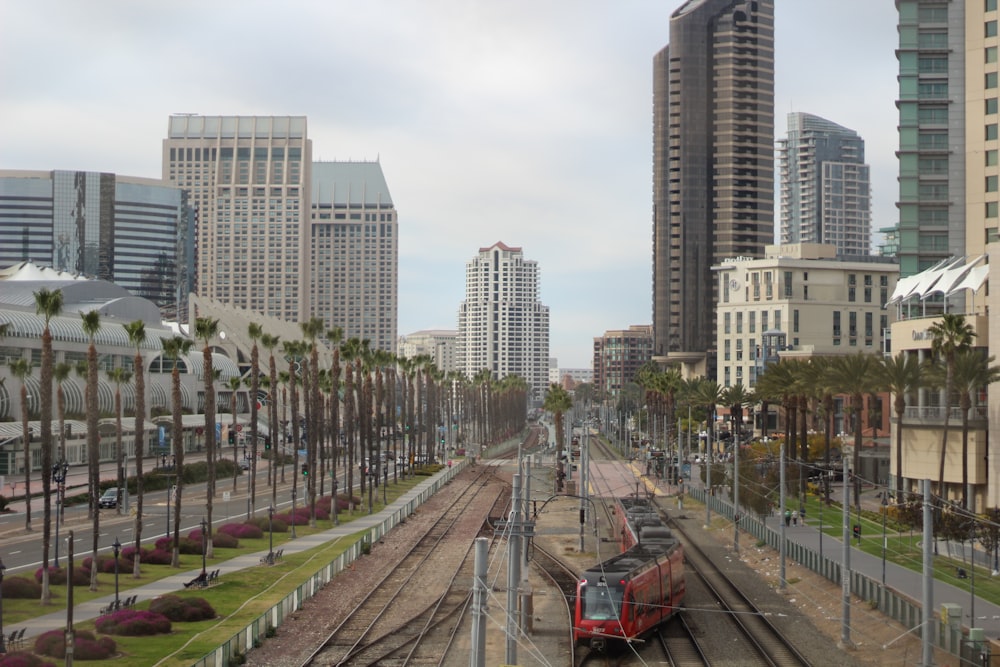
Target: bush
57	576
21	588
85	645
190	547
159	557
133	623
124	565
180	609
225	541
248	530
128	553
23	659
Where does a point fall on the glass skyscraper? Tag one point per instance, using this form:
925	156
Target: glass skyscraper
713	165
129	231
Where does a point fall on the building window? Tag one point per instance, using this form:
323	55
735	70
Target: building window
991	183
725	319
991	29
788	284
795	320
991	209
991	80
990	5
991	106
991	132
739	322
991	54
992	158
836	324
753	322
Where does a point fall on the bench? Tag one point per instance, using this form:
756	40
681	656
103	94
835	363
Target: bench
272	557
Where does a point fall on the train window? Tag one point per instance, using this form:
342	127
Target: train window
601	603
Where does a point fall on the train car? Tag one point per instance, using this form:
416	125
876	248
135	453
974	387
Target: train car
630	594
635	514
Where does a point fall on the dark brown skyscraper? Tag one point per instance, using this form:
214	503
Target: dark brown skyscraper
713	165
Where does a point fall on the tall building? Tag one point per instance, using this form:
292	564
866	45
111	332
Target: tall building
354	252
125	230
713	165
249	179
502	325
618	356
800	300
825	186
947	131
438	344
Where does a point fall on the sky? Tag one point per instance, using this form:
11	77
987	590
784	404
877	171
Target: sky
522	121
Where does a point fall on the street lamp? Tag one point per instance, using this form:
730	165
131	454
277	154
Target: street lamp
204	544
294	494
116	549
3	647
58	477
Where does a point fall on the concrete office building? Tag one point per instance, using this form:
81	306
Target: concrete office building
825	186
800	300
249	179
354	252
713	165
438	344
133	232
502	325
618	356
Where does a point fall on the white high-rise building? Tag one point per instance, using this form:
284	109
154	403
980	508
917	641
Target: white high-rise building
249	179
438	344
502	325
354	252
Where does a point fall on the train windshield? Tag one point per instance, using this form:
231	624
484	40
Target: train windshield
602	602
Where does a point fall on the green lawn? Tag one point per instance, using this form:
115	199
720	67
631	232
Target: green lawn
238	599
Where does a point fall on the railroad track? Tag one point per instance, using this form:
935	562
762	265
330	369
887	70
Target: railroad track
765	644
680	646
367	636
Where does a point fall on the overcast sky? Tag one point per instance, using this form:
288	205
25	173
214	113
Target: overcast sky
522	121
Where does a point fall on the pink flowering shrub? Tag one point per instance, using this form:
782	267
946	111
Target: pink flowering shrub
158	557
241	531
180	609
133	623
21	588
23	659
85	645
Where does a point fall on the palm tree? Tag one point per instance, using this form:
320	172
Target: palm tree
177	348
206	328
709	394
60	373
137	336
270	342
856	375
335	336
900	376
234	387
349	350
558	401
971	374
254	332
311	330
293	352
119	376
91	323
949	335
48	304
21	369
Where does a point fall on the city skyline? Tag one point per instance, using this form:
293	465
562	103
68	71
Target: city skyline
487	126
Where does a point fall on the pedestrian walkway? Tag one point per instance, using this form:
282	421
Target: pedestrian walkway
901	579
90	610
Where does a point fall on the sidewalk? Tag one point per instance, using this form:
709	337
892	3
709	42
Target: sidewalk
901	579
90	610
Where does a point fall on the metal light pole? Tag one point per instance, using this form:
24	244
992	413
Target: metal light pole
58	477
293	513
3	647
116	549
70	640
270	534
885	510
204	544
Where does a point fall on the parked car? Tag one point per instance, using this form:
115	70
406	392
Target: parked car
244	464
110	498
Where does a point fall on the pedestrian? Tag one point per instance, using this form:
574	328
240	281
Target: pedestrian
795	518
788	517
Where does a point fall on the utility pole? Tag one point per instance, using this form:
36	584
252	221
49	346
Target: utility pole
736	491
927	658
526	592
477	656
845	567
513	573
781	515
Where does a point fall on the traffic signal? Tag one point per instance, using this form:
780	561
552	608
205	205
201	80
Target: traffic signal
305	469
232	438
857	531
267	444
